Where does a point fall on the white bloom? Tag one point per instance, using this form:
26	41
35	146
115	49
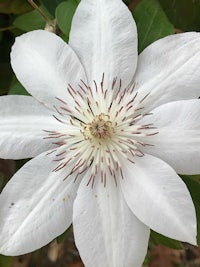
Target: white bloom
103	135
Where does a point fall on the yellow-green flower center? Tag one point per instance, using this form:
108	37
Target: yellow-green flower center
101	127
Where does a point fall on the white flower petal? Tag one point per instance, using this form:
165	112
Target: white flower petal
178	140
35	206
45	65
104	36
170	69
22	124
159	198
106	232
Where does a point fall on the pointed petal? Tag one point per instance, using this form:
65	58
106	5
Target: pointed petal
159	198
35	206
108	37
170	69
22	124
45	65
178	140
106	232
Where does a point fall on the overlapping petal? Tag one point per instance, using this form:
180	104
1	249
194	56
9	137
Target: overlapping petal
106	231
46	65
169	68
35	206
104	36
22	124
178	140
159	198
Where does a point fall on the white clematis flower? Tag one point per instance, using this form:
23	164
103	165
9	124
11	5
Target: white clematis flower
104	126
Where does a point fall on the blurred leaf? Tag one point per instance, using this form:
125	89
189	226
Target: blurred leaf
64	37
127	2
14	6
194	188
159	239
17	89
20	163
5	77
5	68
152	23
51	5
183	14
4	20
5	47
5	261
30	21
64	14
7	169
61	237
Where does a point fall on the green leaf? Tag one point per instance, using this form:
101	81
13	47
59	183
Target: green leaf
14	6
152	23
30	21
159	239
61	237
194	188
183	14
17	88
196	177
127	2
51	5
64	14
64	37
5	261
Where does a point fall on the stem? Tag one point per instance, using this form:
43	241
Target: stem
33	4
7	28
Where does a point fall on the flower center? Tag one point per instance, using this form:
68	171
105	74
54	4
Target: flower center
100	127
105	127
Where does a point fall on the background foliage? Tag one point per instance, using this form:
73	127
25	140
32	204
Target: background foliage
155	19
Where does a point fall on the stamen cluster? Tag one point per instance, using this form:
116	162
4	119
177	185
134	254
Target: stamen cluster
104	127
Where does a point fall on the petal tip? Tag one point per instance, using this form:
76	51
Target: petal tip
190	237
192	241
